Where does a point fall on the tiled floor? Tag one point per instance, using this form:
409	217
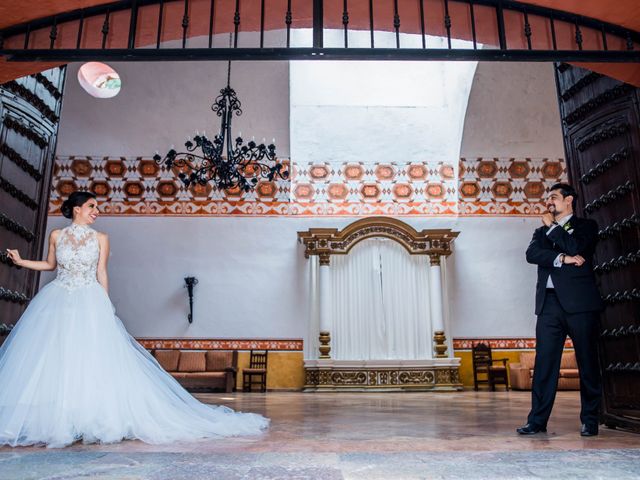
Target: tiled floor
361	436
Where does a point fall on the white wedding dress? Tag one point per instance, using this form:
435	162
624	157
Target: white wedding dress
69	370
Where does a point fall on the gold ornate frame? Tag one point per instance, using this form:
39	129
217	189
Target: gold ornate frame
330	375
325	242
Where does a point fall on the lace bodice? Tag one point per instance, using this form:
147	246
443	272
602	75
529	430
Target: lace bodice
77	253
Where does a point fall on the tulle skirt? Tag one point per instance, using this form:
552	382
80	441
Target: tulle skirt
69	371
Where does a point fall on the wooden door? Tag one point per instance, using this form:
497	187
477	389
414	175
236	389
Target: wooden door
601	122
29	118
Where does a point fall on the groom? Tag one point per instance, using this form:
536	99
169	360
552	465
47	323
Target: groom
567	302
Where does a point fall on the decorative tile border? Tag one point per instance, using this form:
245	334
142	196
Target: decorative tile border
394	182
480	186
507	186
138	186
297	344
221	344
501	343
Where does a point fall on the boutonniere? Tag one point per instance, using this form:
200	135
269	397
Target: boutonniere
568	227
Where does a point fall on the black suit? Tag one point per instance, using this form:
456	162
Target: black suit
572	308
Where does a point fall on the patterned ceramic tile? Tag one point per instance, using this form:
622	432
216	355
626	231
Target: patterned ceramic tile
501	343
221	344
480	186
297	344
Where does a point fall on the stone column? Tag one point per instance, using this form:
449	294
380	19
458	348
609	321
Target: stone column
324	294
437	312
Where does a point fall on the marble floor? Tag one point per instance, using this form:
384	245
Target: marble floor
329	436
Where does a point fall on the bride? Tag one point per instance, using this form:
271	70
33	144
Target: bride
69	370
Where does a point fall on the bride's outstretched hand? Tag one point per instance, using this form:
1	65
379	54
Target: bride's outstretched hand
14	256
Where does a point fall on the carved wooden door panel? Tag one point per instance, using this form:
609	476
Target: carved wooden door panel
29	117
601	121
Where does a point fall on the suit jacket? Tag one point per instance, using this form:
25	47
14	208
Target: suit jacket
575	286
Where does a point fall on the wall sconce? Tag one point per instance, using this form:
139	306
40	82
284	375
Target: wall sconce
190	283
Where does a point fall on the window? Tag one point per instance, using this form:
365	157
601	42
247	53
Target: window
99	80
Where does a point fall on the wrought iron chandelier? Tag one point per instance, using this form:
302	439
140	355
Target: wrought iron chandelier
223	161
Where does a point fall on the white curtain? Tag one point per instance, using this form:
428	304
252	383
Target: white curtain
380	303
311	342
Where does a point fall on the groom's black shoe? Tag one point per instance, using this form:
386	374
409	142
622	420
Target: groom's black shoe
589	430
531	429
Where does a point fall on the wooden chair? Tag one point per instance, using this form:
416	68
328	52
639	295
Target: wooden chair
256	374
483	364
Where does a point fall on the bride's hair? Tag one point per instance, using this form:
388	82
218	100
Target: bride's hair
76	199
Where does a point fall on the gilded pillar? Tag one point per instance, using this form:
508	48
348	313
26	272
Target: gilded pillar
324	284
437	311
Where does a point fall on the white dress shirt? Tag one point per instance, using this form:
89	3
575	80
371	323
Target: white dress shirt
557	263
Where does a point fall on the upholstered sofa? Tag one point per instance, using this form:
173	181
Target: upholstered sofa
522	373
200	369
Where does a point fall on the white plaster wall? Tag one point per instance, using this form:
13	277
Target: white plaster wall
161	103
254	278
491	287
378	111
513	112
249	270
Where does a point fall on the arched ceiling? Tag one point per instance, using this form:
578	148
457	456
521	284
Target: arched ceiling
625	13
